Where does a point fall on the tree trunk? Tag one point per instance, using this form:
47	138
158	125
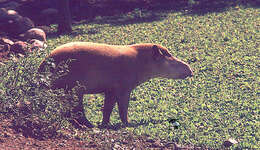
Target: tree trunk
64	22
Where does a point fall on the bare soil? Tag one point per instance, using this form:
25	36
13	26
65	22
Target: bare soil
10	139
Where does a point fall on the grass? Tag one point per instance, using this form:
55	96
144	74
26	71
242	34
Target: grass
221	101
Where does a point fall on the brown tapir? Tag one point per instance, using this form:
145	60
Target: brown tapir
114	70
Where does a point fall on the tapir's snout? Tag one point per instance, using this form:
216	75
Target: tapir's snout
191	75
187	71
180	69
190	71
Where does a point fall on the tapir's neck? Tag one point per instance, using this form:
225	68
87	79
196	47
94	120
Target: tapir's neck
143	76
141	69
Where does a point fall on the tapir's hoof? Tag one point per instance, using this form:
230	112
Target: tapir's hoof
104	126
125	124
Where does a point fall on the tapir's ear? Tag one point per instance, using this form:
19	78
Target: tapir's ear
159	53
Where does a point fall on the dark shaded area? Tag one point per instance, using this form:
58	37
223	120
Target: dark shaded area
124	12
114	12
201	7
133	11
133	17
141	12
64	21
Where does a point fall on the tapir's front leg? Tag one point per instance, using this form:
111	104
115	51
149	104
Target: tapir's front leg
78	114
109	104
123	102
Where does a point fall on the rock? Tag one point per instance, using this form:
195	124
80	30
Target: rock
46	29
12	14
4	48
4	40
6	14
24	24
11	5
35	33
37	44
13	23
229	142
19	47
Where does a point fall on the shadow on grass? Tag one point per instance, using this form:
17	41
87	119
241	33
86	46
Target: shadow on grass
154	7
119	126
138	12
202	7
129	12
75	32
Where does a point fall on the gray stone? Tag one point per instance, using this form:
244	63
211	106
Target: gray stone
37	44
4	48
35	33
24	24
19	47
13	23
11	5
6	14
4	40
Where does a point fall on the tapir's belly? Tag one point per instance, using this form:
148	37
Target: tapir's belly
99	81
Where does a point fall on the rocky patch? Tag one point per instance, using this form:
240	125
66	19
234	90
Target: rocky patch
18	34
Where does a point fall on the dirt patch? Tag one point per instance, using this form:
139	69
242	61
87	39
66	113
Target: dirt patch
106	139
9	139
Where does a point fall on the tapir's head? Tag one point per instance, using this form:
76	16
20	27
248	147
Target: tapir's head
169	66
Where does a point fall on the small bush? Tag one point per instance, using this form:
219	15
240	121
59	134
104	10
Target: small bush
36	111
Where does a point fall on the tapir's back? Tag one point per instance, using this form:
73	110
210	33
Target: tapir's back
85	51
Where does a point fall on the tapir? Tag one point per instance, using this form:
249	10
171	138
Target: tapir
114	70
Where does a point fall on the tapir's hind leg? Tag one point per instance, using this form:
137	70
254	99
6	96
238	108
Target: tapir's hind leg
123	102
122	99
78	116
